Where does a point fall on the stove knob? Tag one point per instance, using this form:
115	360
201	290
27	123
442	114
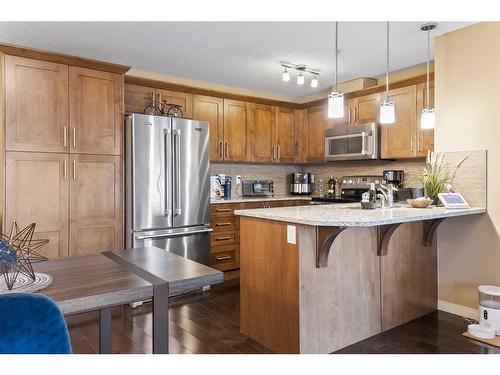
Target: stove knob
377	182
344	181
350	181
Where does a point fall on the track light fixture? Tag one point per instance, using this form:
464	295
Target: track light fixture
301	79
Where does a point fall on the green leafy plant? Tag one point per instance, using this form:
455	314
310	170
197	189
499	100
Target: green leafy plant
437	175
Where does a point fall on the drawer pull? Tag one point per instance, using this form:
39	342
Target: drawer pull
223	238
222	210
226	257
222	224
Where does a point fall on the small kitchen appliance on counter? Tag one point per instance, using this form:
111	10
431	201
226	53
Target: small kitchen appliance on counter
395	177
300	183
258	188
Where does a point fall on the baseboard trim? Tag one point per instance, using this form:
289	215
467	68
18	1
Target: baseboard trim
453	308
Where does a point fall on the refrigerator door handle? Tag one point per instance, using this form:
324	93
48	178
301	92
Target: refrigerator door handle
167	168
177	157
174	234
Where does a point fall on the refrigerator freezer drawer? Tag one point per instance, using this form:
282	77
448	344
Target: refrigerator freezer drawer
193	244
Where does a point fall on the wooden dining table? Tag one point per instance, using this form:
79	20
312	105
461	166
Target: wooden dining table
98	282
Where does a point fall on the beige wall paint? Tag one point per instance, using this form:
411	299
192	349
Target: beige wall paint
468	118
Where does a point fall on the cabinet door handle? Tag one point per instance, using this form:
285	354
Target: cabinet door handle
222	224
418	143
355	114
222	210
226	147
74	137
411	143
74	169
278	150
65	136
274	151
220	150
226	257
223	238
65	169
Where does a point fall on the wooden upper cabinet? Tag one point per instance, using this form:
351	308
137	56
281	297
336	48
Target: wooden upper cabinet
137	98
287	135
36	185
36	105
367	108
425	137
262	121
316	126
185	100
398	139
211	109
96	111
236	132
95	204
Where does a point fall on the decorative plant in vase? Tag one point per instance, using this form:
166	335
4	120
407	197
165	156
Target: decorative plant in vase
437	176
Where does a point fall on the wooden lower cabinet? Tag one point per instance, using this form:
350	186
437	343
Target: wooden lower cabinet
36	191
225	238
95	204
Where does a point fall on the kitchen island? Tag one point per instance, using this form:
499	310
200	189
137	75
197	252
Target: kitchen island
317	278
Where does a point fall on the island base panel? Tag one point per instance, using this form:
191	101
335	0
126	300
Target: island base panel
269	285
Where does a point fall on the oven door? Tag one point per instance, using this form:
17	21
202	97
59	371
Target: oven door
352	146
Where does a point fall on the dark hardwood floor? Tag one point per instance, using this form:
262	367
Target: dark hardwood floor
209	323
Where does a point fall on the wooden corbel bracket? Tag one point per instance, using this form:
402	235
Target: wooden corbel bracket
384	234
430	227
324	240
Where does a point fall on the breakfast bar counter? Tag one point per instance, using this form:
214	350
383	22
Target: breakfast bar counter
315	279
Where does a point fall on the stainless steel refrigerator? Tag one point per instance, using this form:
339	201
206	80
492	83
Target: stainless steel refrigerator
168	185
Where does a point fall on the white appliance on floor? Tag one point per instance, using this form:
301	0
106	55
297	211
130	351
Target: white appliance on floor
489	313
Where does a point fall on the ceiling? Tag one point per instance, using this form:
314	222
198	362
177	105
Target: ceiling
242	55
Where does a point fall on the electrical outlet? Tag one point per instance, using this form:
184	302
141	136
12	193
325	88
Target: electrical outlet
238	179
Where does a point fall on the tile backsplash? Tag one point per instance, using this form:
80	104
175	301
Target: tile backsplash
275	172
278	172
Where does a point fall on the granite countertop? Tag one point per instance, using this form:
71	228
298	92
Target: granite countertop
351	215
236	199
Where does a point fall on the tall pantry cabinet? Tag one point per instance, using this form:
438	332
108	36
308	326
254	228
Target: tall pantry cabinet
63	156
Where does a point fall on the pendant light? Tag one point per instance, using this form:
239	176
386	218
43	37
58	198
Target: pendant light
387	112
300	78
336	98
428	116
314	82
286	75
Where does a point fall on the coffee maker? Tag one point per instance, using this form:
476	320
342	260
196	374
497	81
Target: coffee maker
394	177
300	183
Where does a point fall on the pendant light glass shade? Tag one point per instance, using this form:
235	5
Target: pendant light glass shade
336	105
314	82
428	118
286	75
387	112
300	79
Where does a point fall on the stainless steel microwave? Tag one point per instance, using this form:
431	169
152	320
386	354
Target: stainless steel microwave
352	142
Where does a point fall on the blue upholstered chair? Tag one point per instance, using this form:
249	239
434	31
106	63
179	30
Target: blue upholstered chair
32	324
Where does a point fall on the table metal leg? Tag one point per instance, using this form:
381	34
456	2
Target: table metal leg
105	331
160	318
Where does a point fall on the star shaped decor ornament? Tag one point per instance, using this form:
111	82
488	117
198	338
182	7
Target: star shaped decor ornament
18	250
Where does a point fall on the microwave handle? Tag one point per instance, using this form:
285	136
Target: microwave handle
364	137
